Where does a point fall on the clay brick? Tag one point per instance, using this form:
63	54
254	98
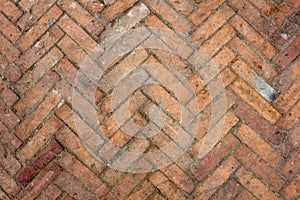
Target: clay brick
36	93
287	100
179	177
3	195
286	9
212	24
292	190
184	6
8	161
8	49
40	48
257	122
245	195
165	186
292	142
43	179
51	193
228	191
40	28
262	148
259	190
75	145
35	118
247	10
9	139
9	70
39	139
262	67
289	54
267	7
8	184
291	167
143	191
94	6
209	163
117	9
291	118
34	167
7	95
256	101
205	9
41	68
10	10
128	182
179	22
219	176
8	29
82	17
261	169
8	118
73	166
254	37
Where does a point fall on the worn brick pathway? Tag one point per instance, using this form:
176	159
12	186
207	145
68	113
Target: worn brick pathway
254	47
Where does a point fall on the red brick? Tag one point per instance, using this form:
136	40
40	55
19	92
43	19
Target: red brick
267	7
94	6
40	28
259	190
10	10
84	18
205	9
143	191
9	70
165	186
291	118
292	142
258	145
292	166
51	193
32	169
228	191
287	100
261	169
32	121
245	195
7	95
292	190
9	139
179	22
39	139
40	48
8	29
3	195
41	68
117	9
8	117
212	24
73	187
43	179
202	169
8	184
254	37
286	9
8	49
36	93
219	176
289	54
184	6
8	161
73	166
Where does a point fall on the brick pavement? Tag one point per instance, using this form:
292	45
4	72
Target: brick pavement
207	94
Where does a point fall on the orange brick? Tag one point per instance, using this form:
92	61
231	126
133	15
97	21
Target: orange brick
219	176
35	118
291	118
287	100
41	68
262	148
261	66
93	6
117	9
8	161
165	186
267	7
245	195
292	189
285	10
254	37
9	139
253	99
212	24
52	192
73	166
247	10
184	6
204	10
39	139
228	191
291	167
83	17
261	169
8	184
178	21
259	190
40	48
143	192
7	95
292	142
8	49
40	28
36	93
10	10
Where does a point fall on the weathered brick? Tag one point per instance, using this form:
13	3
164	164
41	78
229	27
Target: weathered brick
117	9
287	100
8	49
286	9
94	6
184	6
291	118
291	167
8	161
51	193
144	191
292	142
245	195
8	184
292	190
10	10
267	7
7	95
228	191
259	190
8	29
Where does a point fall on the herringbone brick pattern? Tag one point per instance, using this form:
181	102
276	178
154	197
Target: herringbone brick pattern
253	44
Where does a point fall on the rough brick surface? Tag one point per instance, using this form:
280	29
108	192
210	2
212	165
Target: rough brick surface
210	87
